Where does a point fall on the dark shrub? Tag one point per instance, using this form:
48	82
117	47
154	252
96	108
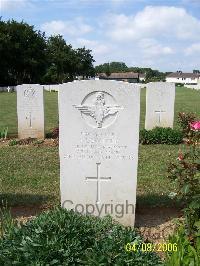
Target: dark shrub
54	134
62	237
160	135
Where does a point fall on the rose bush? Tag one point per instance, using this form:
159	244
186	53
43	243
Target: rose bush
195	126
186	172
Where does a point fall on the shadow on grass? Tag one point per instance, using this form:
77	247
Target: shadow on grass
151	210
156	210
10	199
155	200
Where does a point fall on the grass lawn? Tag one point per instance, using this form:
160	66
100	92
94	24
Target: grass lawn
30	174
8	111
187	100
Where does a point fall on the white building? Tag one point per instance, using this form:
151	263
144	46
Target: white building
184	78
142	77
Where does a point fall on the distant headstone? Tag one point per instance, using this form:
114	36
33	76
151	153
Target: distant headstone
160	98
99	135
30	111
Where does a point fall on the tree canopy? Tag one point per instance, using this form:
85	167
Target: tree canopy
117	67
22	53
28	56
111	67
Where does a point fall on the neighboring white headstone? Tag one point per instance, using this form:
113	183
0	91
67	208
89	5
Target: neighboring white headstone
193	87
53	87
30	111
160	98
99	135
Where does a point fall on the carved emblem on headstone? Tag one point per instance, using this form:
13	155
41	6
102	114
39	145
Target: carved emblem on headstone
101	107
29	93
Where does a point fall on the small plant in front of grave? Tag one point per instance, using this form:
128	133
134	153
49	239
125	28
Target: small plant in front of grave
187	254
7	224
13	142
27	141
38	142
186	174
53	134
61	237
160	135
4	133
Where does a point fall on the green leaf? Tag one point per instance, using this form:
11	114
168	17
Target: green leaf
186	188
197	224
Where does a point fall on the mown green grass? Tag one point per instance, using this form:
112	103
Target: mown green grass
153	184
8	111
187	100
30	175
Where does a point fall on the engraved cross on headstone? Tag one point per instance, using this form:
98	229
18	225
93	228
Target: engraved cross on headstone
98	180
159	114
30	119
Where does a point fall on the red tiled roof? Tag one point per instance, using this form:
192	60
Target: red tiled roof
121	75
183	75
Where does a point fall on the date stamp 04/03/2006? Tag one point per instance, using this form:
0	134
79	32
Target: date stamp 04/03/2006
149	247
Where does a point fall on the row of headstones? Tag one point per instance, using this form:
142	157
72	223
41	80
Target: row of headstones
98	142
160	99
8	89
53	87
194	87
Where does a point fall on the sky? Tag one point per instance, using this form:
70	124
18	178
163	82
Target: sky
160	34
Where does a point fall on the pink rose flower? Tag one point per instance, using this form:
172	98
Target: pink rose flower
180	156
195	125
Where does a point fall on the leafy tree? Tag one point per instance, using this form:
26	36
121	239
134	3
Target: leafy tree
141	70
65	63
151	75
118	67
60	58
84	62
107	70
28	57
113	67
101	68
196	71
154	75
22	53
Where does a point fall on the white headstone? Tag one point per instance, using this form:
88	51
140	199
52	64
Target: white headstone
99	135
30	111
160	98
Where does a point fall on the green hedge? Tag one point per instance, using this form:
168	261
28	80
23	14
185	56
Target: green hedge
160	135
61	237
